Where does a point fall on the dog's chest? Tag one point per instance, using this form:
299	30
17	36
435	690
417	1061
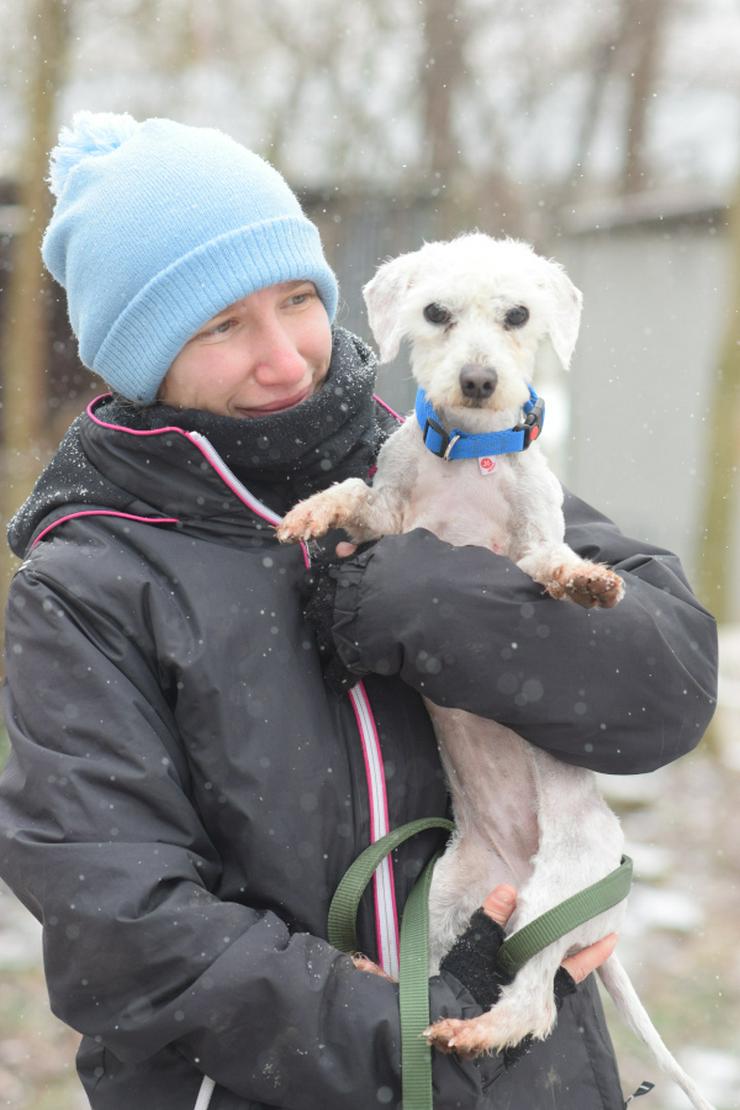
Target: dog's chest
463	501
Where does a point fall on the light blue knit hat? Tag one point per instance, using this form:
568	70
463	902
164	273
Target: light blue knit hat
157	228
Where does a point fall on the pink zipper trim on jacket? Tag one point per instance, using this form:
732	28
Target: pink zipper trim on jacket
387	407
211	456
105	512
384	887
401	420
386	912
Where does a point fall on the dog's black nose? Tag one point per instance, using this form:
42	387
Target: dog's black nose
477	382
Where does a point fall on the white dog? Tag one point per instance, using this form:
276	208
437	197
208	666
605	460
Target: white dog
476	310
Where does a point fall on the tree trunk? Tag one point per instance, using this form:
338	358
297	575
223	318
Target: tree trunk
644	26
24	347
442	73
716	560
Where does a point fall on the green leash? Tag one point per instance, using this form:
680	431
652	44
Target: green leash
341	924
413	986
413	995
555	923
416	1054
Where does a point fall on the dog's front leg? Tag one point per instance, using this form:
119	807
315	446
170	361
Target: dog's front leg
537	545
363	512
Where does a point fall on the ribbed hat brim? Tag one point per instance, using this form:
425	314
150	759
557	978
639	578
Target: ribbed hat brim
138	350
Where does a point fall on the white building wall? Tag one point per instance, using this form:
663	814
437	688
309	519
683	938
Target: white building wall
655	310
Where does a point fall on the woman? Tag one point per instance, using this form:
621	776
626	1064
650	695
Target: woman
185	792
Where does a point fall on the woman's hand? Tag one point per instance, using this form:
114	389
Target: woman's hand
500	905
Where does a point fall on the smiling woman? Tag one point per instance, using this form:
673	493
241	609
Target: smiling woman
184	790
265	353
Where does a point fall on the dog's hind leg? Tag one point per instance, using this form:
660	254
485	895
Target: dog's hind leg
575	850
525	1008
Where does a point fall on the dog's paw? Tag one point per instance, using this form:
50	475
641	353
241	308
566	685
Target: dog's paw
364	963
454	1035
308	519
506	1025
591	586
474	1037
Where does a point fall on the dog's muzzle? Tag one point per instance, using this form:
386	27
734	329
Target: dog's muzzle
478	382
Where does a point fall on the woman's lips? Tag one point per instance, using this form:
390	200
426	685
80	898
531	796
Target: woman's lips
277	406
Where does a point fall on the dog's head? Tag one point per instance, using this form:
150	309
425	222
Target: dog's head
475	311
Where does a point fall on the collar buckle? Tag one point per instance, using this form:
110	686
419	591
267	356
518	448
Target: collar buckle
447	442
531	426
453	440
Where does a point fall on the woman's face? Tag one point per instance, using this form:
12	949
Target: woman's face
264	354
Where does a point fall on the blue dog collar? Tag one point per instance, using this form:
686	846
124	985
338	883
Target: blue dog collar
465	445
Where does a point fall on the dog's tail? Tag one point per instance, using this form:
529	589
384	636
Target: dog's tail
624	997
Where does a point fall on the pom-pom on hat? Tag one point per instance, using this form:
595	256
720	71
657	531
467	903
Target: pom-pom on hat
158	227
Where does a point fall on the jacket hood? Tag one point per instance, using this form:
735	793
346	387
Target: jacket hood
146	462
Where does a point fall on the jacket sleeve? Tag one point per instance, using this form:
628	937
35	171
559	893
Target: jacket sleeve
622	691
99	839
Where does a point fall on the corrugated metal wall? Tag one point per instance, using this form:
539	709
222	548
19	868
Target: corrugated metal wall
637	397
358	233
628	428
655	310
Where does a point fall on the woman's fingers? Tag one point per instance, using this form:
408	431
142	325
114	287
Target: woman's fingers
344	549
500	903
588	959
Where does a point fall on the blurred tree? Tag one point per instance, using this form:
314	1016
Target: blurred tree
624	49
716	557
536	73
24	342
513	110
642	35
443	68
313	74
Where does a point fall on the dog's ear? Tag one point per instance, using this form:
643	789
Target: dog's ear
565	315
383	296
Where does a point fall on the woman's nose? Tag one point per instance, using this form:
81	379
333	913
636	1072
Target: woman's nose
278	360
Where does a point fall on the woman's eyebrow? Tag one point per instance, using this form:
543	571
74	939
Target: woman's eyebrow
224	312
236	305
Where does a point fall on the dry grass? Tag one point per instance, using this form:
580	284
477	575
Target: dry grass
688	975
36	1051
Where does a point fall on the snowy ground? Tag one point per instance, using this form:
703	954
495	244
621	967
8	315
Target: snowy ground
681	946
36	1051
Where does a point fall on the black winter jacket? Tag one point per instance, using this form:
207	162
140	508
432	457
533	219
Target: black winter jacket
184	794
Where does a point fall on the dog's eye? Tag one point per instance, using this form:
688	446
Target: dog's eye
437	314
516	317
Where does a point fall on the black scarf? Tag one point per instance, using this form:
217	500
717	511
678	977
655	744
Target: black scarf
286	456
281	458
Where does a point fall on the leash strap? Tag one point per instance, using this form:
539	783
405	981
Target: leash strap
342	921
413	987
555	923
416	1054
413	995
